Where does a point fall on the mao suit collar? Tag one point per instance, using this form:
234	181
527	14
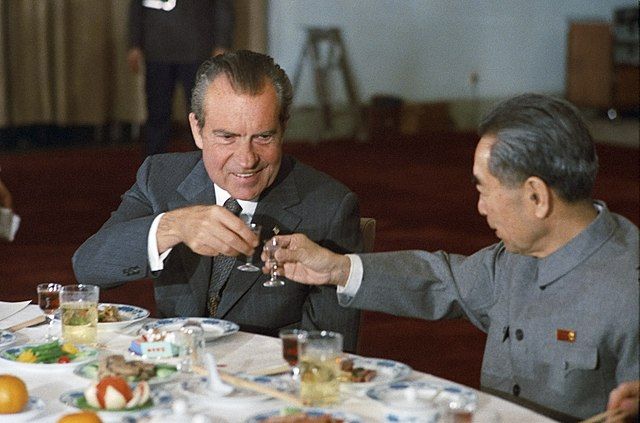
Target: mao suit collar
577	250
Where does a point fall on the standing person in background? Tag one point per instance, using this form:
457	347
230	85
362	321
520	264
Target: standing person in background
172	38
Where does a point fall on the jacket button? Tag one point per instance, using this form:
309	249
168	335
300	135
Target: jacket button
519	334
516	389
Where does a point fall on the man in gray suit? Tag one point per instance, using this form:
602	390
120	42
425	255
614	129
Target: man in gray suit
557	296
172	222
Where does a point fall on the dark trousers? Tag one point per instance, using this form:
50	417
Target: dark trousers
161	80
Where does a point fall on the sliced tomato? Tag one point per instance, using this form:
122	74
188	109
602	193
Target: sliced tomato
64	359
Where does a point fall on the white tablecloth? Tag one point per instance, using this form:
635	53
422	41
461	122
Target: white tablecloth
237	352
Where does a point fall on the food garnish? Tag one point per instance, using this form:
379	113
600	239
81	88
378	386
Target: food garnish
109	314
51	352
114	393
355	374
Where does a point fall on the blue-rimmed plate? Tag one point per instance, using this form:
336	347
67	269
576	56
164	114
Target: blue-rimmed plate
10	354
34	407
127	315
158	399
7	338
310	412
386	371
199	387
213	328
418	394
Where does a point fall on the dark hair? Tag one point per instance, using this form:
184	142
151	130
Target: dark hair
543	136
247	72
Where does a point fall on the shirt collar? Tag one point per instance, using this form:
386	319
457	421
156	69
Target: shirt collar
248	207
577	250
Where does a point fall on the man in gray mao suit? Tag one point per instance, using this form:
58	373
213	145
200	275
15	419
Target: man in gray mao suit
557	296
172	224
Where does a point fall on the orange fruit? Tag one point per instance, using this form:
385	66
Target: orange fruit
13	394
80	417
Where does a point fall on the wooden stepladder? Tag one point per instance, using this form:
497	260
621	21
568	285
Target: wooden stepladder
326	50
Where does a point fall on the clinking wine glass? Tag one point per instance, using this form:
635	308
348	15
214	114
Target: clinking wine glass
249	266
270	247
49	302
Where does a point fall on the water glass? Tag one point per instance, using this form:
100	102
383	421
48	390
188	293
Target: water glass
191	346
79	315
319	356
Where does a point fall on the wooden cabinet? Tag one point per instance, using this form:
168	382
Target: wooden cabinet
590	65
602	72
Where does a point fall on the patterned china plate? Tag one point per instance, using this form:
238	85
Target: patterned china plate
386	371
412	395
213	328
8	355
311	412
128	314
31	410
6	338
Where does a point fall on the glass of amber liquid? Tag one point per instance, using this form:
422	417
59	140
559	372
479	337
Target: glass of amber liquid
49	302
79	313
319	362
290	339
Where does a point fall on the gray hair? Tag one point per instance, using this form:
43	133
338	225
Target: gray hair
248	73
543	136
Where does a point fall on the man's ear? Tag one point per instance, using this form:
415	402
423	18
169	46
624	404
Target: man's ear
538	195
195	130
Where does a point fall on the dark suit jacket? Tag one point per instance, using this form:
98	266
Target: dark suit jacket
301	199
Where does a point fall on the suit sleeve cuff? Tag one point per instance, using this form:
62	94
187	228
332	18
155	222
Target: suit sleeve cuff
355	278
156	260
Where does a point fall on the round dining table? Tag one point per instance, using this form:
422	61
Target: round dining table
237	352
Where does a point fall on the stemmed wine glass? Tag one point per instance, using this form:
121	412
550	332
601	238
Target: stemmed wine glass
270	247
49	302
249	266
289	339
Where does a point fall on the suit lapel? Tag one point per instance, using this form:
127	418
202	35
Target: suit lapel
196	188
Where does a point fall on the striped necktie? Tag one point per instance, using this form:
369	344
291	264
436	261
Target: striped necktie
222	266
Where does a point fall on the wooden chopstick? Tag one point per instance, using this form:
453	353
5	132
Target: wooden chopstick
252	386
274	370
609	416
27	323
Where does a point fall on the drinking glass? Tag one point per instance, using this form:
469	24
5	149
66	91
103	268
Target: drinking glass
191	347
319	356
289	339
249	266
79	304
270	247
49	302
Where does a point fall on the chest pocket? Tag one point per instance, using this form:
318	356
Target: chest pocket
572	369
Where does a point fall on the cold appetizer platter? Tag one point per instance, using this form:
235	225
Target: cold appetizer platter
213	328
48	356
360	373
130	370
117	316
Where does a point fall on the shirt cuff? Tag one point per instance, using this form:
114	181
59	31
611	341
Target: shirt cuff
156	260
355	277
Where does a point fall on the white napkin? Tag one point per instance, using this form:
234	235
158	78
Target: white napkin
9	309
9	223
27	312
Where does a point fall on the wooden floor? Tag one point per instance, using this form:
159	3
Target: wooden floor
419	190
